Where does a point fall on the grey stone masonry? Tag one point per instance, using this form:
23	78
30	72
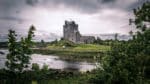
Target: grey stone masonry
71	33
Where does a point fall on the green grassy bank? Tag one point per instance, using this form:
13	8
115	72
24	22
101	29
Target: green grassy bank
45	77
78	52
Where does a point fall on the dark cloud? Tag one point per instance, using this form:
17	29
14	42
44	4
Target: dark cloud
87	6
11	18
136	4
31	2
9	4
11	9
84	6
107	1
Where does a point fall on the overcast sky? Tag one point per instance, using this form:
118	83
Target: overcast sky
93	16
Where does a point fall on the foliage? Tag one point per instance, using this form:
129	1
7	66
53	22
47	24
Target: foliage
116	36
70	55
91	47
128	62
42	77
98	41
40	73
18	56
80	47
42	44
62	43
35	67
80	52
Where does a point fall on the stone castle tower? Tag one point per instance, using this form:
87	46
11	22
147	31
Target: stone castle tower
71	33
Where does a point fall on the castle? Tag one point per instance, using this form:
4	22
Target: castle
71	33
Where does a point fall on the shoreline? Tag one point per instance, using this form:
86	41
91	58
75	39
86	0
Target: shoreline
70	55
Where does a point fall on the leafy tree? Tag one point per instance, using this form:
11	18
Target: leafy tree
54	42
11	62
19	52
45	69
129	62
35	67
116	36
142	40
98	41
42	41
131	33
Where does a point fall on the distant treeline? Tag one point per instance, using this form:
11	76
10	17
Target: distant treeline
45	44
36	44
3	44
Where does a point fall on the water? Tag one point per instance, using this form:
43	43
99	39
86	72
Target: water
53	62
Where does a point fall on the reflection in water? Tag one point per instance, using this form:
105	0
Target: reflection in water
53	62
3	58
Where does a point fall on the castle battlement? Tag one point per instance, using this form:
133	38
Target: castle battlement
71	33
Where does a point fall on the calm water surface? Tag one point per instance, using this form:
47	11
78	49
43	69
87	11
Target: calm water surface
53	62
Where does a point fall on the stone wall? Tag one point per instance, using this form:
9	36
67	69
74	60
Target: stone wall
71	33
87	39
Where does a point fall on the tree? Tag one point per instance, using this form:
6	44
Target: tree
19	52
131	33
42	43
116	36
11	56
129	62
142	40
98	41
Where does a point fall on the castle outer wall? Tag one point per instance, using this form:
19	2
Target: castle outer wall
71	33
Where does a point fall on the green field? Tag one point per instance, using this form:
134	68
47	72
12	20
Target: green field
81	47
83	52
91	47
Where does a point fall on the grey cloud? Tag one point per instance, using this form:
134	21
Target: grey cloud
9	9
84	6
136	4
11	18
31	2
9	4
107	1
87	6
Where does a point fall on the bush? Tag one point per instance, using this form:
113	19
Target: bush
35	67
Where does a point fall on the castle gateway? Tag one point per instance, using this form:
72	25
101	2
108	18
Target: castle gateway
71	33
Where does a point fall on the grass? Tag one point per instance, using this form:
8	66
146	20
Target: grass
78	52
81	47
91	47
48	77
78	79
73	80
